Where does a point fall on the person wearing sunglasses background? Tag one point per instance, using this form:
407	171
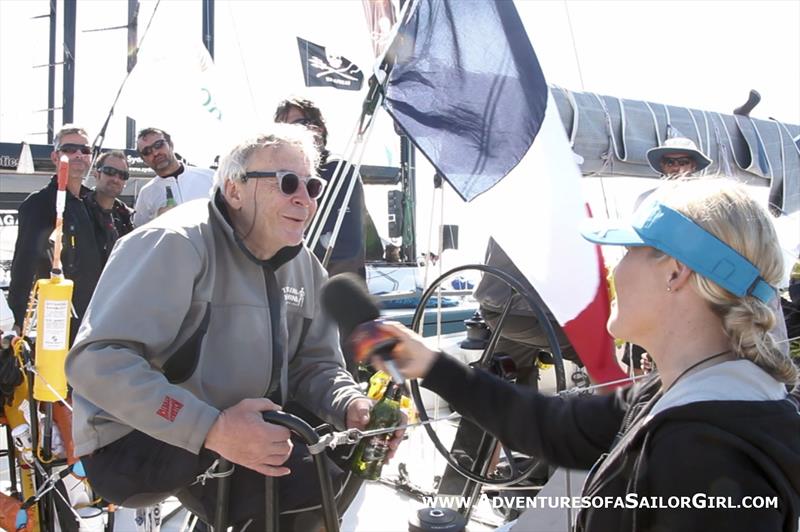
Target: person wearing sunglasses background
236	329
112	217
81	254
349	249
677	157
185	182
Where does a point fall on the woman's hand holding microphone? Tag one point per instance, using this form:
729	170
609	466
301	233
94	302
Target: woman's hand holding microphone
411	355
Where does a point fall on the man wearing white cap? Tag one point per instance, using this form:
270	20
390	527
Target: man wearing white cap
678	156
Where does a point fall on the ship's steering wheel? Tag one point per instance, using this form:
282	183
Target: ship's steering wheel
515	476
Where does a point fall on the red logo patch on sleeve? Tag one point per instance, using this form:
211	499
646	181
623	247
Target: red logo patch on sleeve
169	408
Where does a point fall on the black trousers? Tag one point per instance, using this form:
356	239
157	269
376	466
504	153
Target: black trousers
138	470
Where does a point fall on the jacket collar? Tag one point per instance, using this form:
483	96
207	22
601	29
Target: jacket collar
54	185
219	210
176	173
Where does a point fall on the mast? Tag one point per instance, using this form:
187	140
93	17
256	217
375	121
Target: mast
133	41
51	74
70	17
208	26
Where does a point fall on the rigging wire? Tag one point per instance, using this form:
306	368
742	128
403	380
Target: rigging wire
241	59
583	88
98	141
574	45
430	236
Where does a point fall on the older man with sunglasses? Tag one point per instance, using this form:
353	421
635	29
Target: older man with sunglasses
80	255
185	182
112	217
215	318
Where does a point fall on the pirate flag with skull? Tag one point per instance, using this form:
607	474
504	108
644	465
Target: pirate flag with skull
322	69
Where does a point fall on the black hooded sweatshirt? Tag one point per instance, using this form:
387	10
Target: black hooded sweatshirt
731	449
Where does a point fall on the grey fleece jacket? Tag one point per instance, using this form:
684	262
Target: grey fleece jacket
184	284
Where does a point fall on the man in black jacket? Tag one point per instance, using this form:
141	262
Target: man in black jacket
80	255
111	216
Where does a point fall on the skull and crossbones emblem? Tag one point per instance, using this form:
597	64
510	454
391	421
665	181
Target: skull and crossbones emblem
332	67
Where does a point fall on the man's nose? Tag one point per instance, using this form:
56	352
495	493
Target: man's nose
300	196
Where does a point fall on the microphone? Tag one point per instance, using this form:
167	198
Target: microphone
356	312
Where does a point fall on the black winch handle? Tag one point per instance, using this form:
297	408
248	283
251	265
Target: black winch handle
309	436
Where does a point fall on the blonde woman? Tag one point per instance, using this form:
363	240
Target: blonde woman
695	446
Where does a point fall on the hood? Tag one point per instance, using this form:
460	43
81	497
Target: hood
755	410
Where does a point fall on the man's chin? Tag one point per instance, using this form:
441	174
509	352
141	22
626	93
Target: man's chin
293	241
163	165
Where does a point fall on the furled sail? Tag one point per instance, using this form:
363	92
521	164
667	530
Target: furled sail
612	135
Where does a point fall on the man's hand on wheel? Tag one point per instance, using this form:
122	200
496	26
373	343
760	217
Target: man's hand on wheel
240	435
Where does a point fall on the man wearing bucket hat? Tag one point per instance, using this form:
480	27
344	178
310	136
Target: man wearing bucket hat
714	423
677	156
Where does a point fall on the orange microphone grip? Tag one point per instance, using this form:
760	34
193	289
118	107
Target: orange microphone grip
367	339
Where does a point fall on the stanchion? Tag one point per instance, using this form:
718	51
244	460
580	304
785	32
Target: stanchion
309	436
273	512
223	494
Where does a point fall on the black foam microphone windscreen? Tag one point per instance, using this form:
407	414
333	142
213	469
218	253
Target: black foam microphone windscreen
348	302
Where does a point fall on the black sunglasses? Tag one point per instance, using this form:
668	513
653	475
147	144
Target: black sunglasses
157	145
115	172
69	149
289	182
676	161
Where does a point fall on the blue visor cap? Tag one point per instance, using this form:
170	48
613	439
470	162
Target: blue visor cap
676	235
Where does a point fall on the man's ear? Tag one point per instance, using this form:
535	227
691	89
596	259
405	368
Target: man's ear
678	273
54	157
233	193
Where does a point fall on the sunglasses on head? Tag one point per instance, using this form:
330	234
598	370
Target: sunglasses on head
69	149
289	182
115	172
157	145
676	161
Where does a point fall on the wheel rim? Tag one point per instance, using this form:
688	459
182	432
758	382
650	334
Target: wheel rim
541	316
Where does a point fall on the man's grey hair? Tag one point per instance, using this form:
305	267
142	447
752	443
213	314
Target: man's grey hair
68	129
234	165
